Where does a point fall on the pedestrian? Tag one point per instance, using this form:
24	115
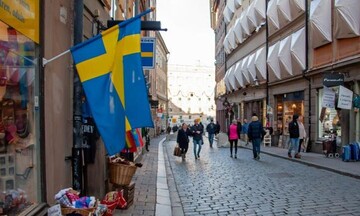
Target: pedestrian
239	126
217	128
233	134
211	129
294	133
244	130
183	139
256	135
302	133
197	131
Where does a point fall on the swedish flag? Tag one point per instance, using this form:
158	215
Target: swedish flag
109	67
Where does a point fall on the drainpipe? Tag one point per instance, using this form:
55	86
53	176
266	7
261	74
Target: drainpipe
307	62
77	172
267	71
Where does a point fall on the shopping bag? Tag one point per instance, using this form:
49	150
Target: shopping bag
177	151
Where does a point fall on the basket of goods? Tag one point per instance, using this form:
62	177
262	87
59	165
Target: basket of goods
122	170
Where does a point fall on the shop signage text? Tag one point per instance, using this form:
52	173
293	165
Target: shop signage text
328	99
333	79
148	52
345	98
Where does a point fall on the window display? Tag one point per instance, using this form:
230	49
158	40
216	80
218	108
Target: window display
18	171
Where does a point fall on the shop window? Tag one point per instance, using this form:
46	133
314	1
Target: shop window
329	118
18	156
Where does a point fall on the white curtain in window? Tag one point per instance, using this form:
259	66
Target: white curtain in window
273	17
320	22
251	67
260	63
238	32
284	54
238	3
244	70
297	8
260	11
347	22
273	60
297	49
284	12
238	74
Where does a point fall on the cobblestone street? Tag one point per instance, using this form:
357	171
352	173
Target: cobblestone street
219	185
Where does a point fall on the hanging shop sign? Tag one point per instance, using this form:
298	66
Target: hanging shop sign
148	52
22	15
333	79
345	98
328	99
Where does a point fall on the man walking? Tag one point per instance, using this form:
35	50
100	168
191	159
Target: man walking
197	131
245	131
294	137
211	129
255	135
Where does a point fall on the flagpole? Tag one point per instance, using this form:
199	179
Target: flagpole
45	61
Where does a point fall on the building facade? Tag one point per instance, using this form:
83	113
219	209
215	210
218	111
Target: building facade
278	54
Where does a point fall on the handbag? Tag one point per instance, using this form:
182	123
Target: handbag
177	151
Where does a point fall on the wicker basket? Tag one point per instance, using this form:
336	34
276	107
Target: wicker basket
121	174
83	212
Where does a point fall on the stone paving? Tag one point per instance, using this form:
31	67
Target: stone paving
219	185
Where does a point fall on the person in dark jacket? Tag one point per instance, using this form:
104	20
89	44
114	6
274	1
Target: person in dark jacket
294	137
197	131
211	129
217	128
183	139
256	135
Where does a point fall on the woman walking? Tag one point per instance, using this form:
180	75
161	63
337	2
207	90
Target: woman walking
183	139
233	133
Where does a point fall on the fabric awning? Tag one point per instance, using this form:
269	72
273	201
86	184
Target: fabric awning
251	67
284	12
284	54
244	70
226	45
273	60
244	25
297	8
231	78
238	31
238	3
231	38
231	5
297	49
251	18
347	22
238	74
228	14
226	80
320	22
260	11
260	63
272	15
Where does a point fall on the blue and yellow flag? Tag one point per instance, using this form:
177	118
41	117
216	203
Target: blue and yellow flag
109	67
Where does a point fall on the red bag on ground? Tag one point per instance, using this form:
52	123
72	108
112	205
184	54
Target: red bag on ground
114	197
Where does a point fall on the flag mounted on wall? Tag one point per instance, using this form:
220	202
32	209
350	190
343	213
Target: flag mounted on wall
110	70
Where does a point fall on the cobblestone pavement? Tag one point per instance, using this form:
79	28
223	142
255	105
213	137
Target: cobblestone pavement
219	185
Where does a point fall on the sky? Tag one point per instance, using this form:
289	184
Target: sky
189	38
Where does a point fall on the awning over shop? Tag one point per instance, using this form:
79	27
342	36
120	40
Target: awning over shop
251	18
260	11
347	22
227	84
244	26
231	38
244	70
284	54
284	12
251	67
231	78
238	74
297	48
297	8
273	17
228	14
260	63
273	60
226	45
320	22
238	32
238	3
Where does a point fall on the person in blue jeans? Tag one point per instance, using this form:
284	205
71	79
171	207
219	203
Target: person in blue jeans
197	131
294	137
211	129
255	135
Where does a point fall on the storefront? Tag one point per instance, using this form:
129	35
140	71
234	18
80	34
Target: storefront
19	146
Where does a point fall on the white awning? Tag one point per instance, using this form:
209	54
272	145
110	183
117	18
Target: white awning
238	3
238	74
226	45
347	22
226	80
231	5
244	70
297	8
273	60
227	14
231	38
244	25
273	17
231	78
284	12
251	67
238	31
297	49
260	63
284	54
320	22
251	18
260	11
